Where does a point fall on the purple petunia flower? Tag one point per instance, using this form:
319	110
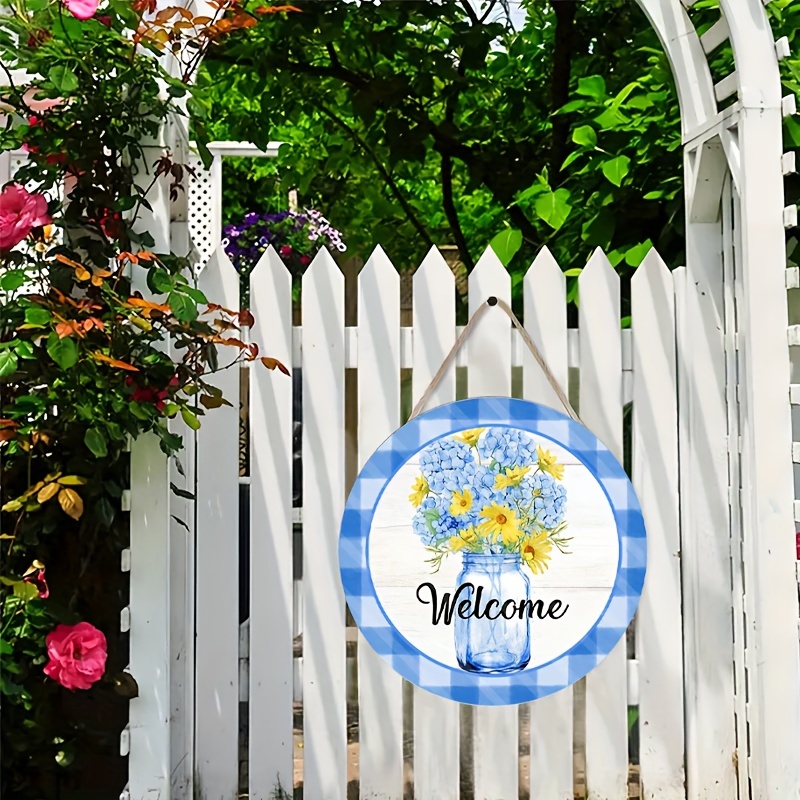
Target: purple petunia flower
293	234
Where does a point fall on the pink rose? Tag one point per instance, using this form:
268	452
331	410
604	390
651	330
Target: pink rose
20	212
82	9
77	655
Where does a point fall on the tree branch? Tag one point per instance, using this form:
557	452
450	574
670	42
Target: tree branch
447	180
353	79
334	70
384	173
333	55
445	143
488	11
467	6
526	227
451	212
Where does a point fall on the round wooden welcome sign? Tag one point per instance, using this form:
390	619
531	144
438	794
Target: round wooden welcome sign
493	551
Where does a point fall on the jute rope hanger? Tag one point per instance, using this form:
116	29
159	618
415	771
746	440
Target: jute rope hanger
450	357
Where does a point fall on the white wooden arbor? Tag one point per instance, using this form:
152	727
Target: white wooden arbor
735	253
741	711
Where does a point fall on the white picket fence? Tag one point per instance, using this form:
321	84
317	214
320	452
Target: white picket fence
576	740
715	667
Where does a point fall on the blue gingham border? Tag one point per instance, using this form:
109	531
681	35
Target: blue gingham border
452	682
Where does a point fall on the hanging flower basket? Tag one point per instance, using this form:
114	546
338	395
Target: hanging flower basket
296	236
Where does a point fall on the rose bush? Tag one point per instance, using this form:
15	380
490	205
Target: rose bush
83	366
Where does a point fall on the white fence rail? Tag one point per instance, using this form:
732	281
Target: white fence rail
357	731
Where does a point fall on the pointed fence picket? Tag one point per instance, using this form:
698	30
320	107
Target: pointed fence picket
705	524
378	348
655	478
601	411
544	293
380	698
324	680
271	666
217	568
436	720
496	736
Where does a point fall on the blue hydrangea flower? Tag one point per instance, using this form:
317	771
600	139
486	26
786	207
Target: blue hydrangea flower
508	447
549	499
434	523
447	465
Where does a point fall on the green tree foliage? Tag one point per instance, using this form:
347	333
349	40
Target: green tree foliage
420	123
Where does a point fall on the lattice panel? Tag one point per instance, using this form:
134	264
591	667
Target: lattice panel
201	210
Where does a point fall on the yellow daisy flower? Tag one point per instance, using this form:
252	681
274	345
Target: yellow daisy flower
501	522
420	491
511	477
535	552
466	537
548	463
456	543
470	534
462	503
470	437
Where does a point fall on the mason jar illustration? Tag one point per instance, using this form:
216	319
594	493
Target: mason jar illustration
493	632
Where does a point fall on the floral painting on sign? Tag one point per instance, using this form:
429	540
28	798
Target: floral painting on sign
493	550
496	498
